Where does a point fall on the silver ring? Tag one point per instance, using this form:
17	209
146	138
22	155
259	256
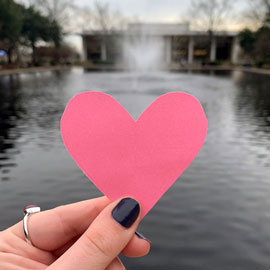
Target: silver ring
28	210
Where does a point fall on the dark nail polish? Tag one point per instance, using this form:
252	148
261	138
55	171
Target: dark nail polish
126	212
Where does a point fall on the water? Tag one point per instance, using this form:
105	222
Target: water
216	216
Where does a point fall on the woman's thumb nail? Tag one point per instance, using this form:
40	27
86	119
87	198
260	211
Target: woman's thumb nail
126	212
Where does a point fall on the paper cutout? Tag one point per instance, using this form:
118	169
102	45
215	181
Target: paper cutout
141	159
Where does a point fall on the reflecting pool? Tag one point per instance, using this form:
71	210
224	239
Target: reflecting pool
215	217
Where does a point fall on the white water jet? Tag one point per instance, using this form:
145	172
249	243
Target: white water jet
142	51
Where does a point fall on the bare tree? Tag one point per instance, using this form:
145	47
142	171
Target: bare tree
58	10
106	19
255	12
82	19
100	17
210	15
103	17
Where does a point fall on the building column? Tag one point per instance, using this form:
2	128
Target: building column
235	50
213	50
103	50
168	50
190	50
84	49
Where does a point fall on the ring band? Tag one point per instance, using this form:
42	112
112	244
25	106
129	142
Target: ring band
28	210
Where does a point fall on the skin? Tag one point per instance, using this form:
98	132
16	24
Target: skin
81	236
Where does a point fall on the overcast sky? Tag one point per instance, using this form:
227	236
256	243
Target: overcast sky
164	11
150	10
154	10
169	11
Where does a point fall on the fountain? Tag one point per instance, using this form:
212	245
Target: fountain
142	51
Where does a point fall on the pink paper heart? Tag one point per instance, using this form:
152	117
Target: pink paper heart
140	158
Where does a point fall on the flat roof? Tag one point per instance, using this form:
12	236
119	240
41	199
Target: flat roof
159	29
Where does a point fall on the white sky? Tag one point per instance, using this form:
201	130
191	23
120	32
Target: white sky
154	10
169	11
159	10
166	11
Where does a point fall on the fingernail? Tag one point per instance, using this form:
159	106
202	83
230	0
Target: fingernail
126	212
141	236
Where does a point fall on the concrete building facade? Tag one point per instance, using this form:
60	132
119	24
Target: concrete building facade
180	45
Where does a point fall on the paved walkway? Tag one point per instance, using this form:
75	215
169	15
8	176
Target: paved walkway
31	70
237	68
253	70
111	68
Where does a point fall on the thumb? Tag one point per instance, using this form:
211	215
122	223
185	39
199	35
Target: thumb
106	237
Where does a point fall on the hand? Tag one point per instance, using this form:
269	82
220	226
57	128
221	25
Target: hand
84	235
